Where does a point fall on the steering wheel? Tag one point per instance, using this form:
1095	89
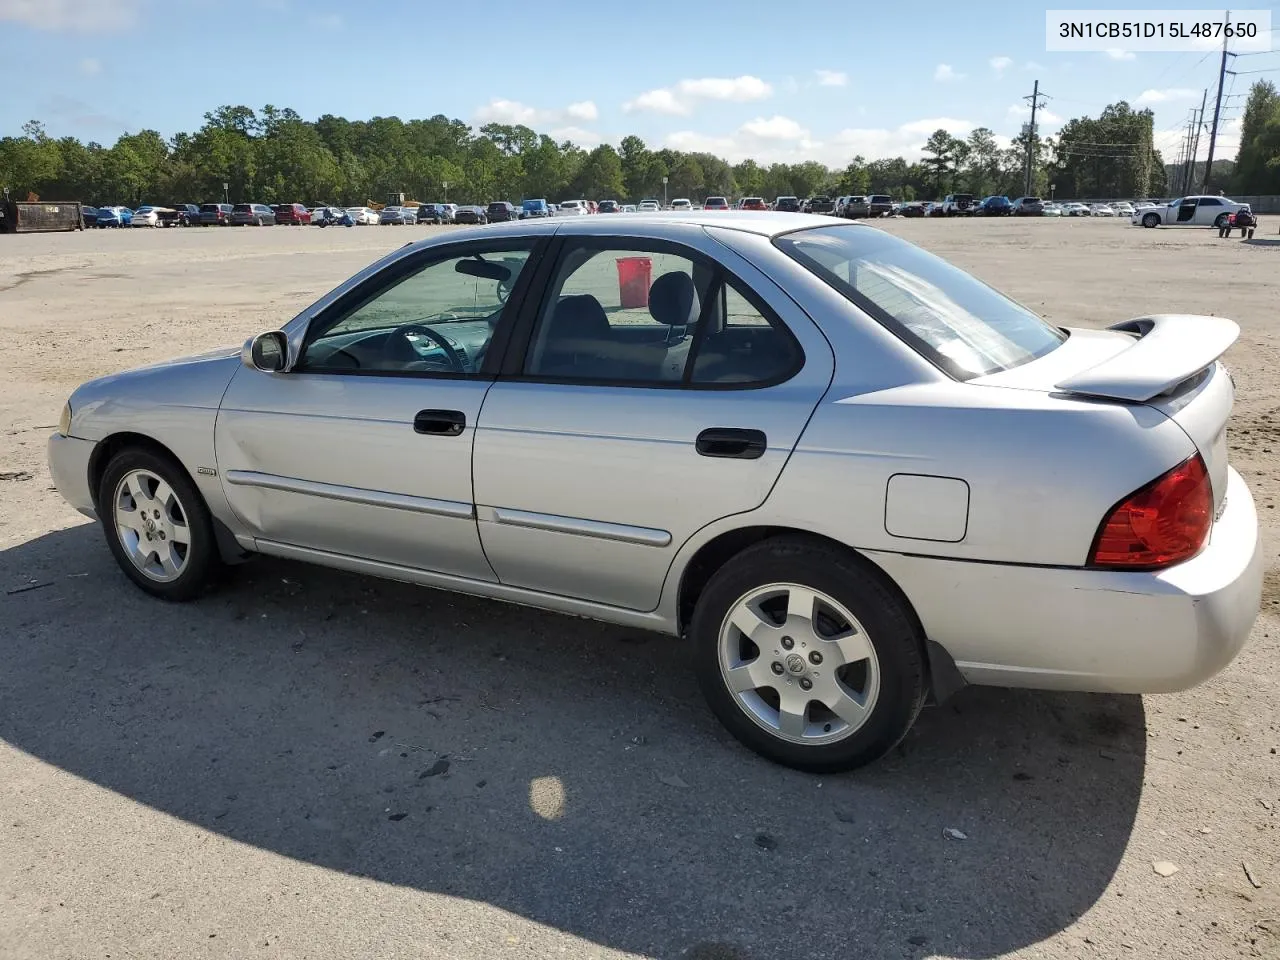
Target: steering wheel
456	363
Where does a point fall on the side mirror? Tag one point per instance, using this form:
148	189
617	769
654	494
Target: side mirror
267	352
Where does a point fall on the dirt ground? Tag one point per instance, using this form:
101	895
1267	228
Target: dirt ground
228	778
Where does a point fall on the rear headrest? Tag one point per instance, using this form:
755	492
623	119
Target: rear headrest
673	300
579	317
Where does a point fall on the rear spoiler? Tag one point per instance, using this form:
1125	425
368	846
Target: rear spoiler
1168	349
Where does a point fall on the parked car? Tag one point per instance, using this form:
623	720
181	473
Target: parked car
1033	506
1075	209
181	215
574	208
88	217
1101	210
500	211
959	205
880	204
1123	208
367	216
147	216
855	207
114	217
429	213
470	215
715	203
650	206
914	208
753	203
1052	209
628	208
934	208
608	206
252	214
996	207
820	204
1028	207
681	205
398	216
787	204
533	209
1196	211
215	214
293	214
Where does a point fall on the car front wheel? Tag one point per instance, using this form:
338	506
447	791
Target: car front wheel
157	525
1151	220
808	656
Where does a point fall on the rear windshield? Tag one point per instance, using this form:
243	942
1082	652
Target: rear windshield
241	208
956	321
716	200
209	207
878	198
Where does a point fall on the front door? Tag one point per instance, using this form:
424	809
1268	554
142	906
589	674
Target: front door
656	388
363	448
1187	210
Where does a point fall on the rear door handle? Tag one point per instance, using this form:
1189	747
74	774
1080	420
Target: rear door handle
440	423
731	442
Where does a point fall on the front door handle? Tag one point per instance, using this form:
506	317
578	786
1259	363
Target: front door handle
732	443
440	423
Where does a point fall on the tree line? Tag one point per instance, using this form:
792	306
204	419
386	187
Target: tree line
273	155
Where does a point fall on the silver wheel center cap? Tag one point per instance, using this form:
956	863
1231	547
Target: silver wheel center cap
795	664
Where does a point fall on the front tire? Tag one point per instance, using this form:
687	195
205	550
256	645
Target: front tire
808	656
157	525
1151	221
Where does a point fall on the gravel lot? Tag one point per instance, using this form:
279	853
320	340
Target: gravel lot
313	764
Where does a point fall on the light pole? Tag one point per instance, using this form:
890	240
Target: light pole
664	192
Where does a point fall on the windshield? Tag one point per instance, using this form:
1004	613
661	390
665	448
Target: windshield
956	321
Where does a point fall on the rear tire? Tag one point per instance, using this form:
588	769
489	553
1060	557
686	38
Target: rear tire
869	654
1222	220
148	507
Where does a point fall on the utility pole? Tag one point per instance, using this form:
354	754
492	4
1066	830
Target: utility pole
1197	129
1181	166
1217	111
1031	132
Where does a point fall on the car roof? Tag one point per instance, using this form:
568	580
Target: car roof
655	225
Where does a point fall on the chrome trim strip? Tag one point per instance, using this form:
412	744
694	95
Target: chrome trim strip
644	536
643	620
333	491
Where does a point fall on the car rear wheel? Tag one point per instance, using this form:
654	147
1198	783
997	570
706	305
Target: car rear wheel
1151	220
157	525
807	655
1222	220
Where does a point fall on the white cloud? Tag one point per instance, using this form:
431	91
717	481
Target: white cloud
578	135
326	21
1000	64
513	112
1032	67
781	140
1117	54
82	16
832	78
1045	119
91	66
775	128
681	98
944	73
1164	96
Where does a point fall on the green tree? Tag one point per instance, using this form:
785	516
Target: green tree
1258	158
943	152
600	176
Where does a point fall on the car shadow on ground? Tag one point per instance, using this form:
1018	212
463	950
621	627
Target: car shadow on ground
557	768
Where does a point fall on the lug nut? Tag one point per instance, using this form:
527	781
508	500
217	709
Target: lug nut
157	514
777	668
161	534
815	658
787	643
806	683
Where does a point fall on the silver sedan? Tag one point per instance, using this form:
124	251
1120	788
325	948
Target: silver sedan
850	475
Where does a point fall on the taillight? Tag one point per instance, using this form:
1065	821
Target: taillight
1164	523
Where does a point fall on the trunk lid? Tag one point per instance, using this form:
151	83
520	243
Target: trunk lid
1169	362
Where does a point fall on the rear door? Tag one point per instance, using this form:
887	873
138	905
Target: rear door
652	389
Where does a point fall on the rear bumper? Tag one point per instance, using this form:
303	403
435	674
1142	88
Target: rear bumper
1073	629
69	467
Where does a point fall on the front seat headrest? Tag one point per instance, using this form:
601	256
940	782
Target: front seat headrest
673	300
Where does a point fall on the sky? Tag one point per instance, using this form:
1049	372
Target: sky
789	81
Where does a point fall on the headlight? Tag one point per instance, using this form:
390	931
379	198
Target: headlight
64	421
